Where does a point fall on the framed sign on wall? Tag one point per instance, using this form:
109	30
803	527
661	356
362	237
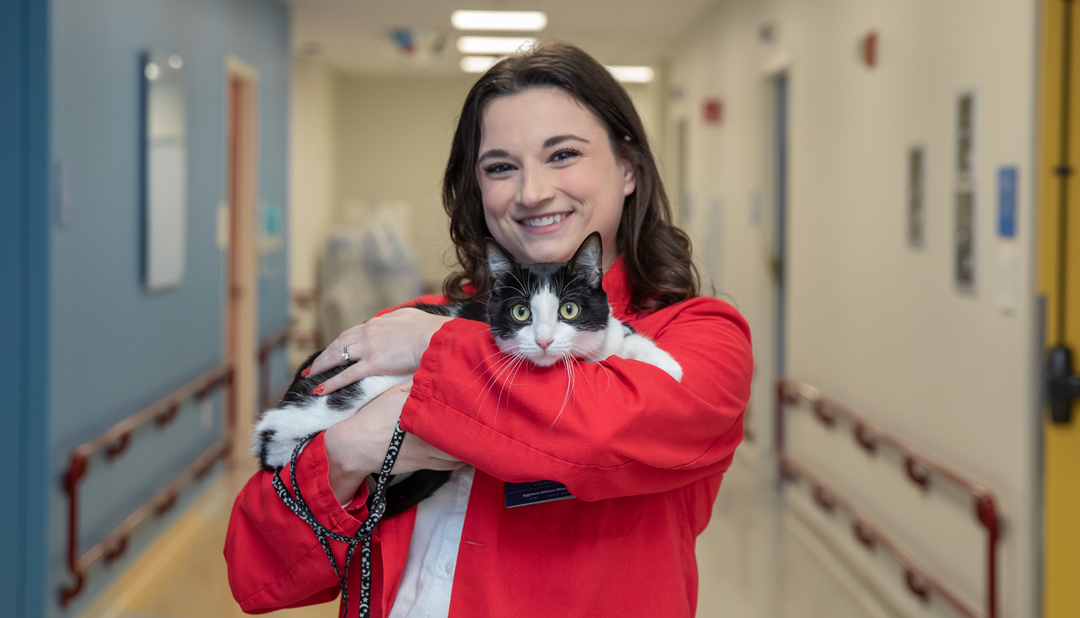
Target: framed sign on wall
164	171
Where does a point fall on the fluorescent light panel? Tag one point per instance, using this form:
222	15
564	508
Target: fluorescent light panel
489	45
633	75
477	64
523	21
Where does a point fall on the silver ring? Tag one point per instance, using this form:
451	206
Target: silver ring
345	353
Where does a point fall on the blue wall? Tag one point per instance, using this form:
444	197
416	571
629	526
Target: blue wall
113	347
24	263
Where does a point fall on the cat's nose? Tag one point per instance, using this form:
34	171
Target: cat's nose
544	342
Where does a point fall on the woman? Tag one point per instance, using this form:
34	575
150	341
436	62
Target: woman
548	149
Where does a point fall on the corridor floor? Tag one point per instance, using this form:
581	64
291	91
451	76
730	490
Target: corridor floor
756	561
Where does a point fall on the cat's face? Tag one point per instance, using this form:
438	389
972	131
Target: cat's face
549	312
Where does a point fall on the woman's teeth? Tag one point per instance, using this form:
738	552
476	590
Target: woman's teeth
542	221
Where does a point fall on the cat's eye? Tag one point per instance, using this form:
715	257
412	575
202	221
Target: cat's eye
569	311
520	313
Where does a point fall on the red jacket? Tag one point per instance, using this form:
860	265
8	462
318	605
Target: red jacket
643	454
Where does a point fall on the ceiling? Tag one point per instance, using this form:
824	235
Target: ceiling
353	35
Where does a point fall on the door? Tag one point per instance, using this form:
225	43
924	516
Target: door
1059	282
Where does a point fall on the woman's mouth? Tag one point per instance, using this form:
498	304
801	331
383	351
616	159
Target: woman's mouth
543	221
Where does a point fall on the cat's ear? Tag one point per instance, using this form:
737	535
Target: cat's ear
588	262
498	262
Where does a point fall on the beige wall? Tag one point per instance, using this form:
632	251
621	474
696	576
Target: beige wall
872	322
312	166
393	140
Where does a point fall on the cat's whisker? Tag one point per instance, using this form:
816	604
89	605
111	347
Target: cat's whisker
509	383
503	366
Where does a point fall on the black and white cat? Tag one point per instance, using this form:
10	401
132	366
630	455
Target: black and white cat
541	313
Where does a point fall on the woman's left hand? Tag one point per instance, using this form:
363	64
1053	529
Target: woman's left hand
390	344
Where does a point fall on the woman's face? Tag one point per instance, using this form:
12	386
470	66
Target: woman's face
549	177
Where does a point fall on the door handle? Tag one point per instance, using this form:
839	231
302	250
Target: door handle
1064	385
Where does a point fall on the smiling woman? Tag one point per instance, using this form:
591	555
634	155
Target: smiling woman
548	152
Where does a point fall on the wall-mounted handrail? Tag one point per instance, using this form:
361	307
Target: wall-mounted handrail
920	469
115	441
266	349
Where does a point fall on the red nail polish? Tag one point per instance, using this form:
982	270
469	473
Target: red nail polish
305	373
317	390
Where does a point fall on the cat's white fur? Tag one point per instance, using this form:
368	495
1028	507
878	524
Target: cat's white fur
292	423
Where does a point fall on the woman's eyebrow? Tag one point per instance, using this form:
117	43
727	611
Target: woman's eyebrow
548	143
558	139
493	154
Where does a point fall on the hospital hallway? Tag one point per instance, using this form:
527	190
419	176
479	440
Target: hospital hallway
198	195
753	564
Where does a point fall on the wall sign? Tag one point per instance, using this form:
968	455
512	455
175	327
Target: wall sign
164	171
712	110
916	192
1007	201
964	236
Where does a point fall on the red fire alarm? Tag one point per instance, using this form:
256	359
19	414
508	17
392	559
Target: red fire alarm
868	48
713	111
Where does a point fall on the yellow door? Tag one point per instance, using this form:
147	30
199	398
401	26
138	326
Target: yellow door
1060	185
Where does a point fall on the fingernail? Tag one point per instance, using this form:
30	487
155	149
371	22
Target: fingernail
305	373
317	390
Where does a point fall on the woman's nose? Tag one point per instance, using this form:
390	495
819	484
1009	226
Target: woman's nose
535	188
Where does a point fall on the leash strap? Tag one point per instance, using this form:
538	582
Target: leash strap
362	538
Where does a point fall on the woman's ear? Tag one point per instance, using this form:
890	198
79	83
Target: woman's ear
629	177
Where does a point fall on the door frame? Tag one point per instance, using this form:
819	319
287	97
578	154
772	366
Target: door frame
241	306
774	218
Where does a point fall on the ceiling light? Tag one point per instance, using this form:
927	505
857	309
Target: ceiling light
477	64
491	44
633	75
499	20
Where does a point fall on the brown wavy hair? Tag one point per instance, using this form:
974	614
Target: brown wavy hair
656	254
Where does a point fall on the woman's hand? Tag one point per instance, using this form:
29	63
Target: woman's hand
356	447
391	344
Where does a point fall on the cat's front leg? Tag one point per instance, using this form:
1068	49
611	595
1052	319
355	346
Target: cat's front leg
301	414
639	348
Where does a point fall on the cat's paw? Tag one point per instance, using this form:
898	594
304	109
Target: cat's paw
280	429
639	348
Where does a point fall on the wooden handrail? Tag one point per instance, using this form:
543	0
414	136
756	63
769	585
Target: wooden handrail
116	440
920	469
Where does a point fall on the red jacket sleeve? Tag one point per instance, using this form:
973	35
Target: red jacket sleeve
274	559
627	428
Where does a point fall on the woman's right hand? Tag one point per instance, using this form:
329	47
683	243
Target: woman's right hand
356	447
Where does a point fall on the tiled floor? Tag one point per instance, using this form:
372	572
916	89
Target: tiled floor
756	561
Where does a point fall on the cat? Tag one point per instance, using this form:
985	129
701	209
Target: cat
543	313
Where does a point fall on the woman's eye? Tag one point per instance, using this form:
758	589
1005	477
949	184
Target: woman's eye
520	313
569	311
564	155
498	168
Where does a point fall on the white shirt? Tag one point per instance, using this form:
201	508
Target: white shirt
428	579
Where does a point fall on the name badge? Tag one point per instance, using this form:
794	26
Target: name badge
535	492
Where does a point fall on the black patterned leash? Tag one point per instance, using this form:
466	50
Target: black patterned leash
376	508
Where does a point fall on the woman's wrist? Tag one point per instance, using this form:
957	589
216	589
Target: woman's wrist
348	469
